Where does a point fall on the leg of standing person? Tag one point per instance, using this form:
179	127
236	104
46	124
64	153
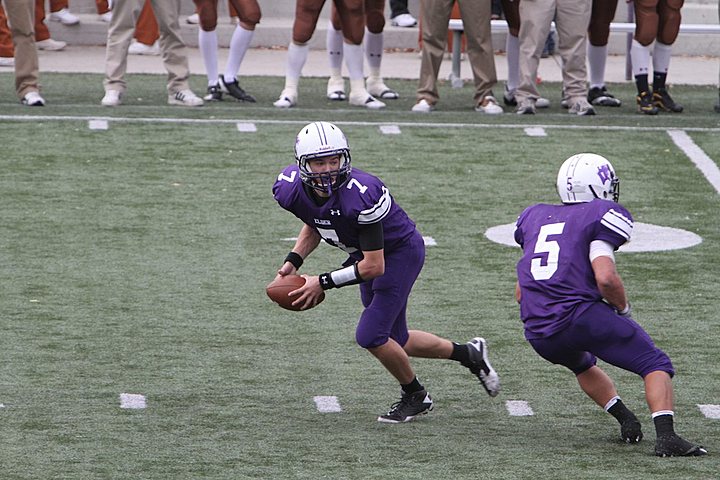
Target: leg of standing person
248	12
572	20
120	34
476	18
534	28
59	12
668	29
20	17
147	33
646	30
334	46
435	15
7	51
374	50
42	34
603	12
174	54
717	105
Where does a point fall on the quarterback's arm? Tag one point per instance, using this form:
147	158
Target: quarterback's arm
609	282
308	239
518	294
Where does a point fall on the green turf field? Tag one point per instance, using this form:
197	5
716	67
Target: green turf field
134	260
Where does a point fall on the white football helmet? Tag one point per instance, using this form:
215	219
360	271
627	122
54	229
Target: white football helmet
318	140
586	176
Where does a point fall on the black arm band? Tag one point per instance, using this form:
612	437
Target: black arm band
295	259
341	277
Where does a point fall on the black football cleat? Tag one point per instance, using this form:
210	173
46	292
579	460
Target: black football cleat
410	406
480	366
234	90
645	104
631	431
663	101
600	96
673	445
214	94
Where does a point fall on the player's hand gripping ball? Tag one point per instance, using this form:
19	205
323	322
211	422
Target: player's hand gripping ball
279	288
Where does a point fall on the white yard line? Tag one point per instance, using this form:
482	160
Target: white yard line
327	404
701	160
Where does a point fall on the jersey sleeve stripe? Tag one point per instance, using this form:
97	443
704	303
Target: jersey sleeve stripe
618	223
378	211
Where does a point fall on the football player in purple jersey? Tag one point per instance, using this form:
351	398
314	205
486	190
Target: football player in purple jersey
573	303
354	211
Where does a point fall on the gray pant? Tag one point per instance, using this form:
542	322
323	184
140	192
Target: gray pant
120	34
21	17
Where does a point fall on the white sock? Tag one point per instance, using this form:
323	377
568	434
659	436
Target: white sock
208	43
663	412
334	45
297	56
611	402
239	43
373	51
640	57
512	46
354	61
597	58
661	57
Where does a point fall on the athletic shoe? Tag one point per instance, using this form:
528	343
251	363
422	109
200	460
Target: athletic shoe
631	430
403	20
33	99
423	106
64	16
673	445
663	101
139	48
193	19
50	45
336	89
288	98
410	406
509	99
362	98
645	104
185	98
717	107
601	97
7	61
106	17
582	108
214	94
526	107
489	106
112	98
480	366
377	88
233	88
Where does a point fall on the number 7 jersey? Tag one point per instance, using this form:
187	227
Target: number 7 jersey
556	278
362	199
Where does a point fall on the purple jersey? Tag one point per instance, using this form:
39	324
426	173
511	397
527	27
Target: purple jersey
556	278
362	200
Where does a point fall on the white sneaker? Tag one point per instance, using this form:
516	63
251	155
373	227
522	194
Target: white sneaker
7	61
377	88
185	98
288	98
361	98
33	99
65	17
50	45
489	106
542	102
423	106
403	20
193	19
336	88
137	48
581	107
112	98
106	17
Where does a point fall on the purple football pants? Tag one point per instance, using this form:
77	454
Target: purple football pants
601	333
385	297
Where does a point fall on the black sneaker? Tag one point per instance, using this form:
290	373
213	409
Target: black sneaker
601	97
233	88
663	101
630	430
673	445
410	406
480	366
645	104
214	94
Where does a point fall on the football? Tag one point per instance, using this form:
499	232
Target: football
278	291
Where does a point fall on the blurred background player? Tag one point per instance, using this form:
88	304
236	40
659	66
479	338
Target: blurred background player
249	14
352	19
400	15
603	12
354	211
373	43
655	21
573	302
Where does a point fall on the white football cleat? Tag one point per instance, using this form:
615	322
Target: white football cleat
112	98
423	106
361	98
64	16
336	88
377	88
50	45
288	98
